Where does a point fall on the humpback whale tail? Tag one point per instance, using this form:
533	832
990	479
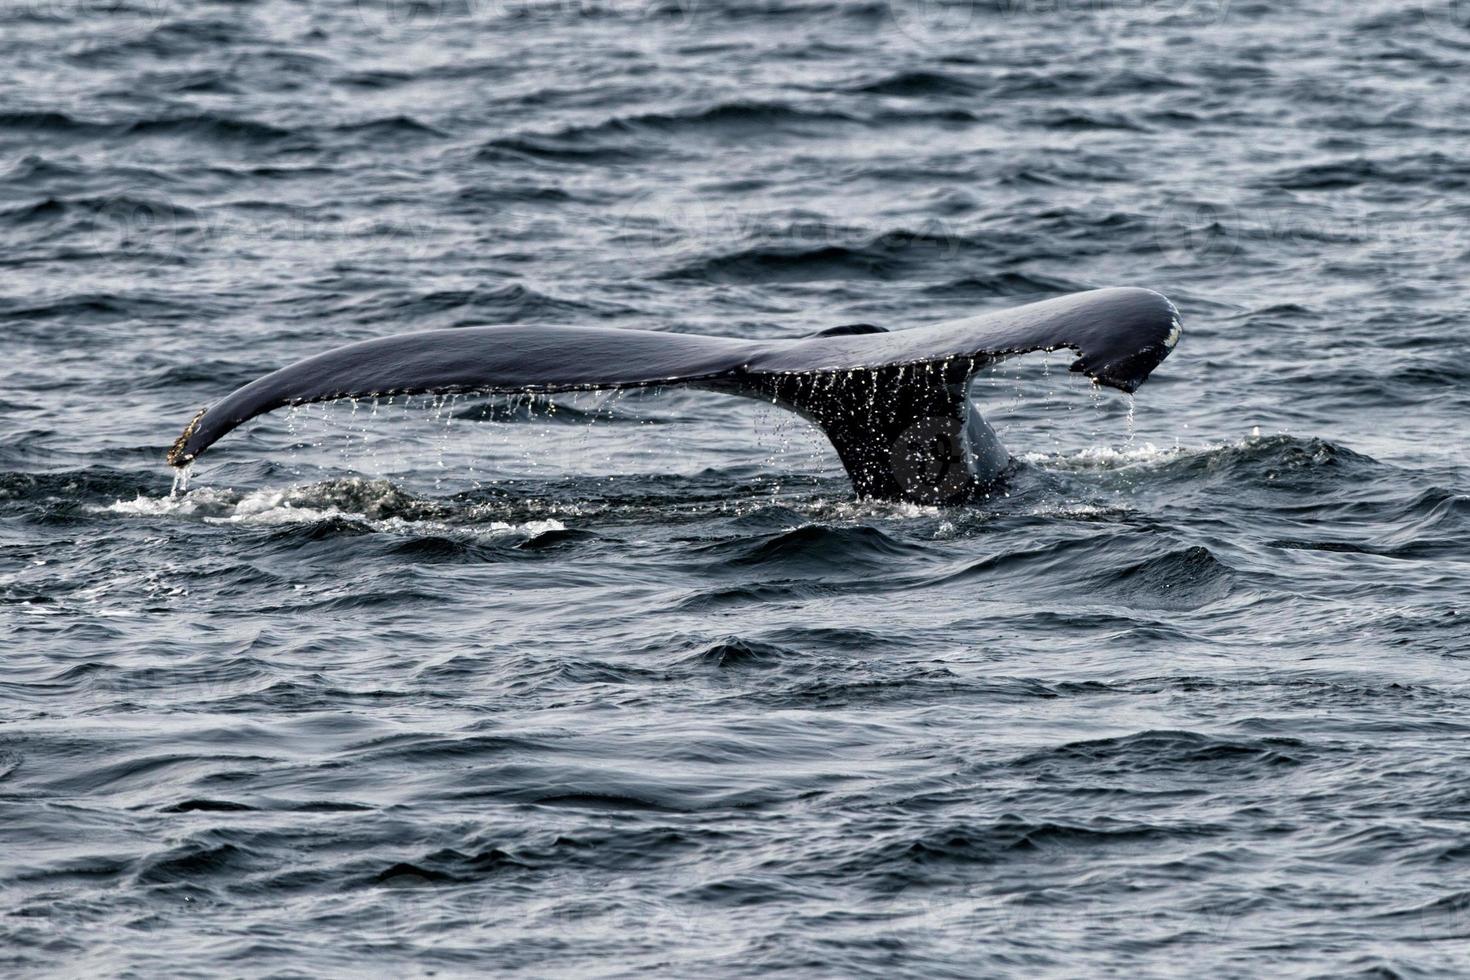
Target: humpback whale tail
895	405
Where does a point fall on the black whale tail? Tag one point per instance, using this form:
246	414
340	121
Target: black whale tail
895	405
903	432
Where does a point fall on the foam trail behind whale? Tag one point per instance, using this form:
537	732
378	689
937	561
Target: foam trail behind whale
895	405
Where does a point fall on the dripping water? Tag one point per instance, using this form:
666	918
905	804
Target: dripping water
181	480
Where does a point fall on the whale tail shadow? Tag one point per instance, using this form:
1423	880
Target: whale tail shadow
894	404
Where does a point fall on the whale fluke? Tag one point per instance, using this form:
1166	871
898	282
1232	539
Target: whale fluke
895	404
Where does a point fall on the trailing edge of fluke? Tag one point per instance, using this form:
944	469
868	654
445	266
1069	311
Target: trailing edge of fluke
895	405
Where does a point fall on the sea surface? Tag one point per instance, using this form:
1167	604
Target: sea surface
629	685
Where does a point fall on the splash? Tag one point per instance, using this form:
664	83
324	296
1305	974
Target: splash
1103	457
375	504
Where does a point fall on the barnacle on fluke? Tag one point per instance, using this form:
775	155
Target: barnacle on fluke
177	456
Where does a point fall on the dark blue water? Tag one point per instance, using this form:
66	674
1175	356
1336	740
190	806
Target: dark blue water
630	685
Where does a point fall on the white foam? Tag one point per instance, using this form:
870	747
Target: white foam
1078	510
1104	457
273	507
850	510
306	505
194	503
538	527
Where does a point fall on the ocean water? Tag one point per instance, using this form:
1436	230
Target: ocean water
630	685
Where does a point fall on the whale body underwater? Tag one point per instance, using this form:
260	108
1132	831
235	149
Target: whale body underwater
895	405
